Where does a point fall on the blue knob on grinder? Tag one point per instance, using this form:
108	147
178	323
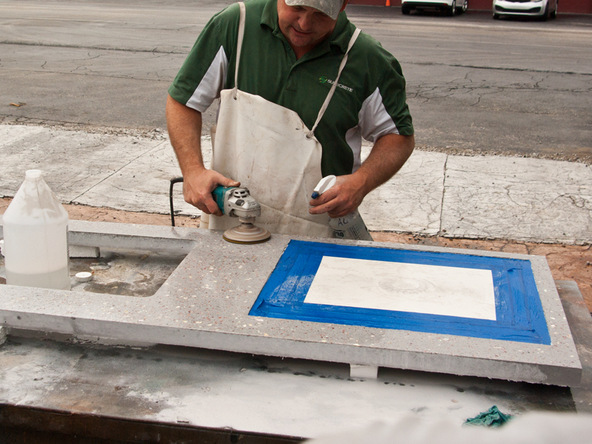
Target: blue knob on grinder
219	195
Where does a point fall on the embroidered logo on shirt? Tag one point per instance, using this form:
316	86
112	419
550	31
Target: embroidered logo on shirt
324	79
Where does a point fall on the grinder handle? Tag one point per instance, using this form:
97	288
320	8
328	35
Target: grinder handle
219	194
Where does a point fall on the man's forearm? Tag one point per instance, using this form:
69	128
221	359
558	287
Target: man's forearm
184	127
386	158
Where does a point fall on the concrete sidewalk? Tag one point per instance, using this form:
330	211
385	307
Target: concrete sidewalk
485	197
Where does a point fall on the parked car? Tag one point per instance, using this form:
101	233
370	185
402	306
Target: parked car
542	9
450	7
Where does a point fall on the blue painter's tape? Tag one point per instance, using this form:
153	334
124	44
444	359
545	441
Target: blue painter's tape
519	313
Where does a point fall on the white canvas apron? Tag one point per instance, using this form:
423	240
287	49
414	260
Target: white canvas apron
268	149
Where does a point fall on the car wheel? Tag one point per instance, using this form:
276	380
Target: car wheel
554	13
496	16
405	9
463	7
452	9
545	15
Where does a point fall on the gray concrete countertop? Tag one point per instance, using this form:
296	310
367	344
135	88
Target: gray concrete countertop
206	300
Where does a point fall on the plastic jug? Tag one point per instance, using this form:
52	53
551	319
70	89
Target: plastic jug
350	226
36	237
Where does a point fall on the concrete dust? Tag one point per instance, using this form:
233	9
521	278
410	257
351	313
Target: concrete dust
567	262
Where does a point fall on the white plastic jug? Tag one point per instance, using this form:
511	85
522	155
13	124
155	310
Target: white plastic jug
36	237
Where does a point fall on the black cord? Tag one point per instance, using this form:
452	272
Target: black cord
173	182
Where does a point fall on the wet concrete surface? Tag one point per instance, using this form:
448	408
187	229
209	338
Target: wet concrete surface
177	386
126	273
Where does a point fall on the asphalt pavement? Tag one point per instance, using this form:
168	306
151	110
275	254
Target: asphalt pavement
474	84
479	197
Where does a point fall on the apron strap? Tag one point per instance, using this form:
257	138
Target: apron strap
334	86
239	44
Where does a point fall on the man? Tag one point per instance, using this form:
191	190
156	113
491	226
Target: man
295	107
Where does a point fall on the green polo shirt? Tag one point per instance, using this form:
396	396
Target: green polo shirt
369	101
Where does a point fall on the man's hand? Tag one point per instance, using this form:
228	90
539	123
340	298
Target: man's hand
388	155
342	198
198	187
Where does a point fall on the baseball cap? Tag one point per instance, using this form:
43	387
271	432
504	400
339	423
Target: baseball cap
329	7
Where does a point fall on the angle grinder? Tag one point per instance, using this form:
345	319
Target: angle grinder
238	202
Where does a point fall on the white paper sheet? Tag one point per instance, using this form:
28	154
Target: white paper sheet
415	288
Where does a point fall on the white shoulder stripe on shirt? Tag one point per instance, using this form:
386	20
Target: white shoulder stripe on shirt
373	123
374	120
212	83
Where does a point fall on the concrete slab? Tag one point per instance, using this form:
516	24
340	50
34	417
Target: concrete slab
514	198
73	161
141	185
412	200
126	172
167	388
580	324
206	300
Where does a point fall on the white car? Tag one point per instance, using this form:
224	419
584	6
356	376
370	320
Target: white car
450	7
542	9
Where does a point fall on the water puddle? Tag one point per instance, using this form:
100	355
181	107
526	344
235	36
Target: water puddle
125	273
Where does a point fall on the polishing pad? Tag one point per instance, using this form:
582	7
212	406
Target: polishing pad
246	233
